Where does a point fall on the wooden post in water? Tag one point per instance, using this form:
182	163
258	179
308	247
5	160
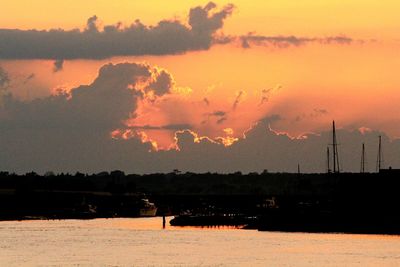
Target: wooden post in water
163	221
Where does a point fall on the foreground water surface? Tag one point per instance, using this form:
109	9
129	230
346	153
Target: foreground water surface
143	242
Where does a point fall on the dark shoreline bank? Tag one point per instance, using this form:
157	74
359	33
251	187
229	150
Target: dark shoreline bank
347	202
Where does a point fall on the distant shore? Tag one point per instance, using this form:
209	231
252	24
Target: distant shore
345	202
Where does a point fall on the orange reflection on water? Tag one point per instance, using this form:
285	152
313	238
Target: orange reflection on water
155	223
142	242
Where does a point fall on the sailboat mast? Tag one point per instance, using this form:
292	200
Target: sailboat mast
379	160
333	146
336	167
328	162
362	169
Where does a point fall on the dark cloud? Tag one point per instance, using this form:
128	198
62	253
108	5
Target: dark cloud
58	65
266	94
223	39
315	113
263	148
171	127
4	79
251	39
205	25
162	84
92	25
167	37
220	116
218	113
73	132
29	78
264	99
99	107
270	119
237	100
221	120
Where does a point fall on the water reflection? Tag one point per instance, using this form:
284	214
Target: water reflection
150	224
144	242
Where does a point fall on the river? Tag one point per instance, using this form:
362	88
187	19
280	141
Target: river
143	242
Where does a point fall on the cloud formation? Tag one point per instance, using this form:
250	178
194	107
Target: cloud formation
263	148
251	39
220	115
315	113
4	79
238	98
97	108
173	127
165	38
86	130
58	65
168	37
68	128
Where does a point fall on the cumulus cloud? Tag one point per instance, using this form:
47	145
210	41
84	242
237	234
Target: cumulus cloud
163	84
263	148
94	42
72	131
94	109
168	37
86	130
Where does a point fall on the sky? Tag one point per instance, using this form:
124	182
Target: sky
153	86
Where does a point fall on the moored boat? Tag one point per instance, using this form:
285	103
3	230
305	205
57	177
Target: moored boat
148	209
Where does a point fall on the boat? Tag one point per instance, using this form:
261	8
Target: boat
147	209
268	203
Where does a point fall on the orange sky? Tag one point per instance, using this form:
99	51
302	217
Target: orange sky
360	18
356	84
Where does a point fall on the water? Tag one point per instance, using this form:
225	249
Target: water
143	242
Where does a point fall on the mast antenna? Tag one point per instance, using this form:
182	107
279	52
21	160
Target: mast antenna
379	161
328	162
362	169
336	166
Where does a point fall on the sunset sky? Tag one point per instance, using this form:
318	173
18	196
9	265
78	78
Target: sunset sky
209	72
